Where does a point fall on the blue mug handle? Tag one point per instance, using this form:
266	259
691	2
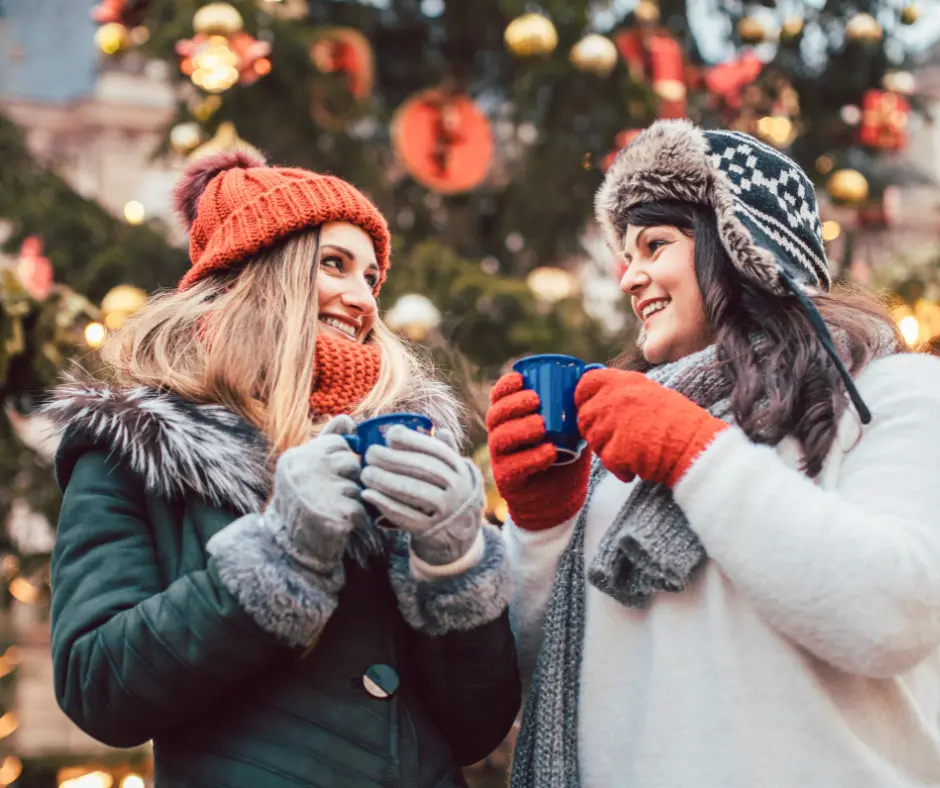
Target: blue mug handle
592	367
353	441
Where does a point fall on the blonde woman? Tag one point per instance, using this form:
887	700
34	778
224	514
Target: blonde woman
218	584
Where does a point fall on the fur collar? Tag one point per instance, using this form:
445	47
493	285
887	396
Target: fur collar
178	447
174	446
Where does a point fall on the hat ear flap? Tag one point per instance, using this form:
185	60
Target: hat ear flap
200	172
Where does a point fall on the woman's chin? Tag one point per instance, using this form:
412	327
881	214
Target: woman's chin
654	352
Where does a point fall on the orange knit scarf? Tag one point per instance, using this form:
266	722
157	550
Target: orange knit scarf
344	373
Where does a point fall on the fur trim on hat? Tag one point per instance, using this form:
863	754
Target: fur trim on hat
200	171
673	160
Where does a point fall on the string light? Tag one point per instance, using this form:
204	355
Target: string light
95	334
90	780
24	591
10	770
910	328
134	212
831	230
9	660
8	724
132	781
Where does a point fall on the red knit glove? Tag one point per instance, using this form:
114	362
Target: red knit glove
640	428
539	493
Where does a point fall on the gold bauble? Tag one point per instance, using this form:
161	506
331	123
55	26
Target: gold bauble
646	12
863	28
848	186
595	54
752	30
531	34
111	38
184	137
226	138
217	19
791	28
122	300
910	14
903	82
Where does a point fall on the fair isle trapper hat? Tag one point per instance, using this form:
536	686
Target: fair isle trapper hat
765	209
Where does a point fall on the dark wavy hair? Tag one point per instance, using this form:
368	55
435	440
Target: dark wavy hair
787	371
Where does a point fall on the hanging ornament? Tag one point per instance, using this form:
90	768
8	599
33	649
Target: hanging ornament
728	80
791	29
218	19
112	38
185	137
646	12
667	75
910	14
752	30
413	315
551	283
226	138
594	54
221	54
776	129
863	28
129	13
848	187
120	303
884	120
33	269
530	35
902	82
345	52
657	57
851	115
444	140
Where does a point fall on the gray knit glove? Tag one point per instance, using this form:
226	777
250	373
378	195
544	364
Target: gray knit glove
423	486
316	501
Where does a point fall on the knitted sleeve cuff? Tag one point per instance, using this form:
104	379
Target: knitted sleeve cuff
455	602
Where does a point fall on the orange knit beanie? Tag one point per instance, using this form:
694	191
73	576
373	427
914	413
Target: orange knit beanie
235	206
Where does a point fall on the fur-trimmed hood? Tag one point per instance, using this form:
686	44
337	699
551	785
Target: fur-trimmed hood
178	447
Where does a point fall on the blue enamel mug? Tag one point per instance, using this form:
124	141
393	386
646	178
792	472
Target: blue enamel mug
554	377
372	431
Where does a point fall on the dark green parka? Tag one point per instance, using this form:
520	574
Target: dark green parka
407	681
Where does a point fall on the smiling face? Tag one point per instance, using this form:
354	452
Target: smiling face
660	280
346	282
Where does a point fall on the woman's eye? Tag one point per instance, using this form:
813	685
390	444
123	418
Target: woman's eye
333	262
656	244
372	280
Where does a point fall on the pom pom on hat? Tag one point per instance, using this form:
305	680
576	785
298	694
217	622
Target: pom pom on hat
202	170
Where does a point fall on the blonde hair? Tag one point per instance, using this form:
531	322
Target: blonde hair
245	338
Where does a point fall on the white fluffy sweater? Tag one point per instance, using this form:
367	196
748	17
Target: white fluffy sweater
805	652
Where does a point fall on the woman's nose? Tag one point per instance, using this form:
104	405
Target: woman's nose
359	296
633	280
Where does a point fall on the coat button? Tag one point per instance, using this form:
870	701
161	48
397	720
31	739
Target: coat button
380	681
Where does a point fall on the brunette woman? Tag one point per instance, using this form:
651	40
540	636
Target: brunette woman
742	587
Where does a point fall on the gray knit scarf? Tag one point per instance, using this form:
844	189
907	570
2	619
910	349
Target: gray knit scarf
649	547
